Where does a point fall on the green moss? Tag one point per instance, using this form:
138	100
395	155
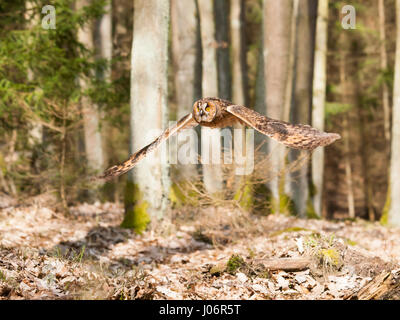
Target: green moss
3	166
251	252
136	215
385	213
107	191
284	204
179	198
291	229
176	196
350	242
218	269
331	256
310	211
245	197
2	276
312	189
234	263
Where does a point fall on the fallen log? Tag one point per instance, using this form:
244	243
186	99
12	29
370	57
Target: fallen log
285	264
384	286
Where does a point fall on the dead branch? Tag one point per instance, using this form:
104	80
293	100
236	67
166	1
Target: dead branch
285	264
386	285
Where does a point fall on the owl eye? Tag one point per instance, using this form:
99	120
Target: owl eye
207	108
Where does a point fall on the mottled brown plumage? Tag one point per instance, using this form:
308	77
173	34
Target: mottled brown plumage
219	113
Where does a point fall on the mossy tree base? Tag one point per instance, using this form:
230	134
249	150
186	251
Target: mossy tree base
136	214
385	213
180	194
245	197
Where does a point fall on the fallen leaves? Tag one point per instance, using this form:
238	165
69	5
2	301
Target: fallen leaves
87	256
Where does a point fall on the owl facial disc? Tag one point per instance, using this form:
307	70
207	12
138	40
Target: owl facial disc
204	111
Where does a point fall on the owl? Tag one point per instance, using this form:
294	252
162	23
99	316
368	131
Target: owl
219	113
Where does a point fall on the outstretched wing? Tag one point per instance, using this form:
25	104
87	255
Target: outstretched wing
185	123
297	136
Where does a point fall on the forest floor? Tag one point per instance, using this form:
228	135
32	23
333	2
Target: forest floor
209	253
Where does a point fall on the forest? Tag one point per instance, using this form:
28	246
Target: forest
287	188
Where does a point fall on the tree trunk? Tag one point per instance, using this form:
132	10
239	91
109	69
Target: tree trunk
277	18
221	20
303	96
384	66
318	101
212	172
239	96
394	184
148	185
260	100
346	136
184	54
104	47
92	135
35	134
238	53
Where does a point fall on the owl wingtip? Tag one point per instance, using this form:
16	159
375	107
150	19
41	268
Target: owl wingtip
332	137
335	136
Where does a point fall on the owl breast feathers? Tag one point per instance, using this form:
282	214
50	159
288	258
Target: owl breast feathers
219	113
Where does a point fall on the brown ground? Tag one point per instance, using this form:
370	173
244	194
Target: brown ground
46	255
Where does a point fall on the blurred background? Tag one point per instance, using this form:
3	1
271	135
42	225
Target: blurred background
80	81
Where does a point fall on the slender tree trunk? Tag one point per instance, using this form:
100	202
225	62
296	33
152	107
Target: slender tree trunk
238	53
260	100
35	134
318	101
346	137
221	21
148	186
105	39
277	50
303	95
239	96
384	66
393	200
184	54
365	155
92	135
212	173
104	46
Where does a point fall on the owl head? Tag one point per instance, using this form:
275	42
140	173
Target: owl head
204	110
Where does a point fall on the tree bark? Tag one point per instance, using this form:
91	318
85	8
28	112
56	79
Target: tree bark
238	53
318	101
212	172
35	134
221	21
385	286
148	185
239	96
277	21
184	55
394	179
303	96
384	66
346	136
92	135
104	47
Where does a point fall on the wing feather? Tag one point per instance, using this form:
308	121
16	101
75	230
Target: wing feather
186	122
297	136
